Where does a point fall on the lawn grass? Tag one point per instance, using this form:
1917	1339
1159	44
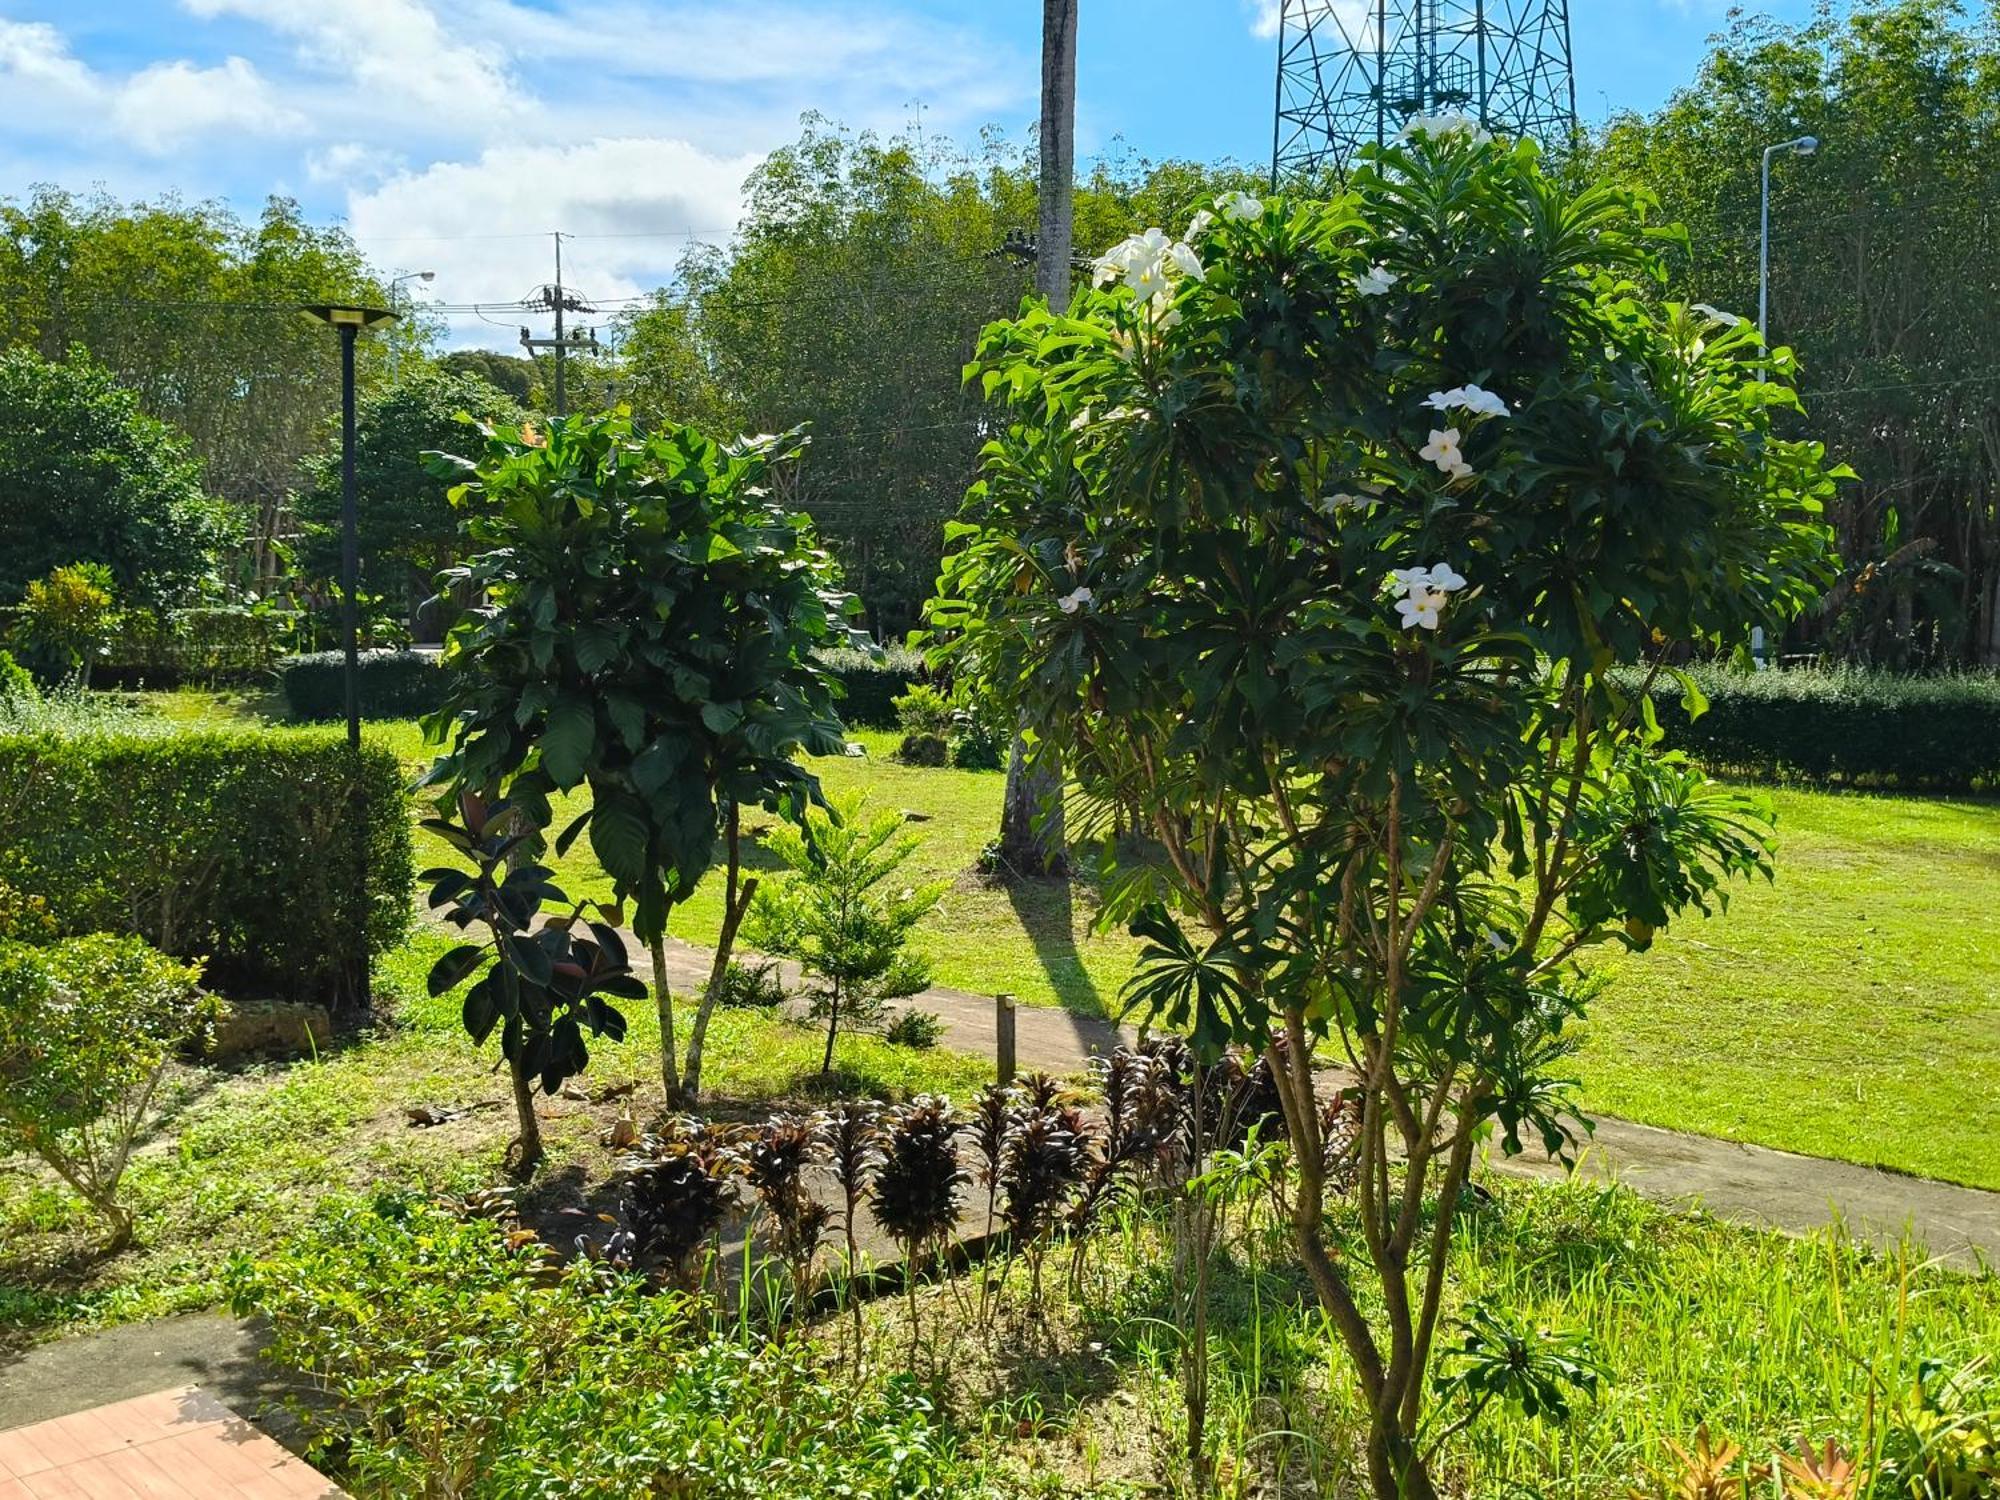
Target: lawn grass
1851	1009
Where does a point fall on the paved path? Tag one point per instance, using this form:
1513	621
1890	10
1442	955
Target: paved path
168	1445
1751	1184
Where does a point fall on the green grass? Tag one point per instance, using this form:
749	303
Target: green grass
1852	1009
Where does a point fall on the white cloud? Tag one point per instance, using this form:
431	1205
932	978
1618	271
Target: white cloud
170	103
397	52
33	54
155	110
484	225
1355	18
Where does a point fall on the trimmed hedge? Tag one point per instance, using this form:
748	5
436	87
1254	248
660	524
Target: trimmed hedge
208	645
1847	725
392	684
275	854
871	687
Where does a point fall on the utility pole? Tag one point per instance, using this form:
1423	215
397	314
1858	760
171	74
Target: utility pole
560	302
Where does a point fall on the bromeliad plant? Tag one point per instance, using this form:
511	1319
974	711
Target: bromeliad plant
650	616
1315	537
543	984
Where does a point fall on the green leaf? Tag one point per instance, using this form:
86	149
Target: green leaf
619	834
568	741
452	970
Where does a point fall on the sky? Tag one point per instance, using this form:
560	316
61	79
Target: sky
454	135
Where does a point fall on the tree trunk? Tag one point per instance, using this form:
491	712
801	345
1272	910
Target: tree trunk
524	1110
732	919
832	1030
1026	849
663	1003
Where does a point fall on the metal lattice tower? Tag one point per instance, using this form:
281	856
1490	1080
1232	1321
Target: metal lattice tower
1351	72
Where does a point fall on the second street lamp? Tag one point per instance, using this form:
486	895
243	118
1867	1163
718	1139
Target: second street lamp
1804	145
348	322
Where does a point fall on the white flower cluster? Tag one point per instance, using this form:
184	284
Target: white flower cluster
1078	598
1443	127
1422	593
1467	398
1148	264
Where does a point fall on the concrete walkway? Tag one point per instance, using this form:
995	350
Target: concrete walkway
1748	1184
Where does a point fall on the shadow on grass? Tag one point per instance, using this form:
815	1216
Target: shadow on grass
1046	910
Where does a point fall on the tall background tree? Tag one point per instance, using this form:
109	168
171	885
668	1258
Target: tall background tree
850	300
87	477
408	529
1885	269
193	310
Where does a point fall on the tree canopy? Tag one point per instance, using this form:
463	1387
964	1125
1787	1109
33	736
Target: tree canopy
196	312
86	476
850	300
406	525
1884	273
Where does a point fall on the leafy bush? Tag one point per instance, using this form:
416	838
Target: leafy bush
923	710
1846	724
916	1028
277	855
924	716
87	1025
389	684
17	685
870	686
464	1366
979	741
63	623
743	985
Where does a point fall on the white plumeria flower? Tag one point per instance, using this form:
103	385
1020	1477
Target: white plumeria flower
1078	598
1716	315
1441	127
1198	225
1445	579
1410	580
1497	940
1442	450
1163	311
1470	398
1374	281
1333	505
1185	261
1239	207
1148	279
1420	608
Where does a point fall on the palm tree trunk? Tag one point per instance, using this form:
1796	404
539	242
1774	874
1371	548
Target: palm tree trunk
1025	848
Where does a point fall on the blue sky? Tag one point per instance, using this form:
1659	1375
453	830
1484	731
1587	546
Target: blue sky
447	133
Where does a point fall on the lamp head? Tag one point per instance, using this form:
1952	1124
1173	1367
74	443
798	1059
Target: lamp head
433	276
350	317
1805	145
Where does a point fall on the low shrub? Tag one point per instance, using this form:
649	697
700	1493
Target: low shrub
929	750
914	1028
1849	725
465	1364
17	684
870	685
977	743
389	684
62	627
209	645
277	855
87	1025
744	985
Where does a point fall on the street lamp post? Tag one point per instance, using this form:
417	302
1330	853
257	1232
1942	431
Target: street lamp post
348	323
1804	145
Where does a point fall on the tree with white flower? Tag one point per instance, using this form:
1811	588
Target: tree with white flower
1392	786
